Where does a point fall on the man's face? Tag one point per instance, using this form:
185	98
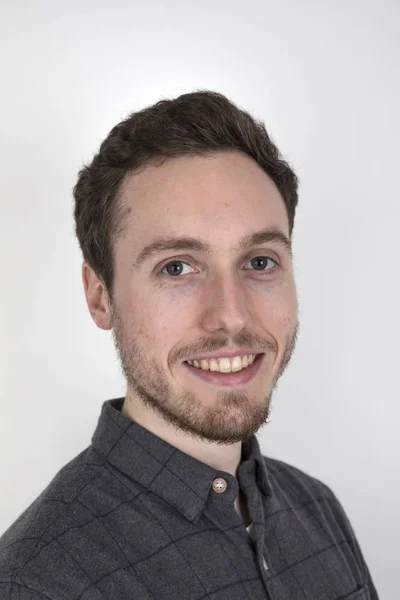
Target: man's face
226	299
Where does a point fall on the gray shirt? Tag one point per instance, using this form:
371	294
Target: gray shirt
134	518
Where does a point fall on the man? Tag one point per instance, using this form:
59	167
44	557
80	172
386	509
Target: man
185	219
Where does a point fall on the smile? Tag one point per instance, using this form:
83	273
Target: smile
217	376
224	365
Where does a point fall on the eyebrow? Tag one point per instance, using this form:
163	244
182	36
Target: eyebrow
164	243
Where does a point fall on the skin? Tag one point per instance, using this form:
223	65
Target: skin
216	302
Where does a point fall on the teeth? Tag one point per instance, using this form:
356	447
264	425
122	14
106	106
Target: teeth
224	365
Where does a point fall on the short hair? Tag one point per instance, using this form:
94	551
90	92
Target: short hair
198	123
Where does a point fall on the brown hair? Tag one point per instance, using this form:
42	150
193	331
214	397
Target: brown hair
198	123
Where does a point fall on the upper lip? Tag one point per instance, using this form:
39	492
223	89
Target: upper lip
225	354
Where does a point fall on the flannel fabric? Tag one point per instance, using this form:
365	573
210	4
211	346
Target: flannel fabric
134	518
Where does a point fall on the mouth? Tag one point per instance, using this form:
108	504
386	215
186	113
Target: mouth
227	379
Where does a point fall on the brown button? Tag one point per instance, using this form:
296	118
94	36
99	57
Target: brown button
219	485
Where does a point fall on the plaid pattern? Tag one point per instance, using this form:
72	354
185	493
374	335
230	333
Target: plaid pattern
132	517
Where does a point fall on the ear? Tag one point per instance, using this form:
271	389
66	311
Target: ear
96	297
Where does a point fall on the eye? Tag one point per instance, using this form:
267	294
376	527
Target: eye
263	260
175	272
174	263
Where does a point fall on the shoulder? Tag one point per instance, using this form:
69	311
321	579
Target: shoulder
295	489
37	543
283	475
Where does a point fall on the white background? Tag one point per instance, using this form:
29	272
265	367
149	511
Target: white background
324	76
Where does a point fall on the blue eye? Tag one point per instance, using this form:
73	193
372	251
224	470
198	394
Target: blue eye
174	263
176	272
263	259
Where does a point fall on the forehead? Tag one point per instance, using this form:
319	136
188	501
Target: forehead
218	197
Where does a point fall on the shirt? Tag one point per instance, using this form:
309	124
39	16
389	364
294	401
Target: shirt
133	517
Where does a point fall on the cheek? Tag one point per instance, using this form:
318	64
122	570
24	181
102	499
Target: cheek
286	321
280	322
157	323
281	309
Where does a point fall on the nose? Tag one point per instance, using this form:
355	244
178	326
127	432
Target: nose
225	305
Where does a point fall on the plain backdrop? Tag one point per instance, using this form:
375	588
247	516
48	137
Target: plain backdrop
324	77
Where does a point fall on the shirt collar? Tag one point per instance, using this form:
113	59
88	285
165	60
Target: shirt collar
178	478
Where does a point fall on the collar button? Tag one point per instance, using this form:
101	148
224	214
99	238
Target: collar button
219	485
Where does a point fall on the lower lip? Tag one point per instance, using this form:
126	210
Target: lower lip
228	379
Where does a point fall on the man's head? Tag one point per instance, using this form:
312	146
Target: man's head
195	167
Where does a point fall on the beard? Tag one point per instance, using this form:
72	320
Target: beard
234	416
